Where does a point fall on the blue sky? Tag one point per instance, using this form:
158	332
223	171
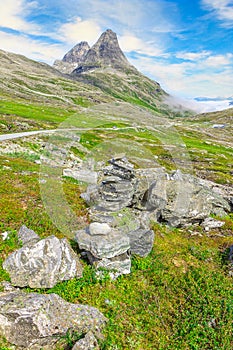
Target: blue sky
184	45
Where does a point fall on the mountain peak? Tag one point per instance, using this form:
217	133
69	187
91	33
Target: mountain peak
105	52
76	54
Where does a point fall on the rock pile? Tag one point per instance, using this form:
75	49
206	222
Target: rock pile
176	199
125	200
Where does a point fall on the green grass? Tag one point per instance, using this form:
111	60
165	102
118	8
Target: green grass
179	297
35	112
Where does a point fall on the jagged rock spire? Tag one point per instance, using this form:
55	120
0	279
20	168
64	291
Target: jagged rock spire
106	51
77	53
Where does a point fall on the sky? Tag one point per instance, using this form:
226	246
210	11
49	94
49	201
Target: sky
184	45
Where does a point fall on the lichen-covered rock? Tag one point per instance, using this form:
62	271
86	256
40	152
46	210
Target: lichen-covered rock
33	321
188	201
42	264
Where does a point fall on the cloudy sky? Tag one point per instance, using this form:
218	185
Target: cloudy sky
184	45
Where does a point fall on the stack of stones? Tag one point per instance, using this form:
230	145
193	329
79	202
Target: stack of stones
124	202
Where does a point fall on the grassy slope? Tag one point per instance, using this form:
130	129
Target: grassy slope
180	296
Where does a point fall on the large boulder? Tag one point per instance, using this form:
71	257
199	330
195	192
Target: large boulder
188	201
34	321
42	264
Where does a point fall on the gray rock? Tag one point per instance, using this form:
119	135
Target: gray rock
89	342
117	265
141	241
96	228
188	201
7	286
210	223
120	167
92	195
33	321
107	246
177	199
115	193
43	264
109	251
156	196
105	52
25	235
102	217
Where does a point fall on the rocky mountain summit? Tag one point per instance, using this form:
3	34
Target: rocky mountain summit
72	58
106	52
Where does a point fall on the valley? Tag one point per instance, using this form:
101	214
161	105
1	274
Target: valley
179	296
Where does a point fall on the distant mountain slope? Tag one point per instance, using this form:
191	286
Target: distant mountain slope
103	75
28	80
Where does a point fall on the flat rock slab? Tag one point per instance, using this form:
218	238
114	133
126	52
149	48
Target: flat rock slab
35	321
103	246
43	264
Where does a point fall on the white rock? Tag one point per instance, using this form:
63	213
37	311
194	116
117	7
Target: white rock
210	223
97	228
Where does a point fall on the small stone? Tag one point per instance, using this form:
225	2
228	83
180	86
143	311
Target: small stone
96	228
210	223
89	342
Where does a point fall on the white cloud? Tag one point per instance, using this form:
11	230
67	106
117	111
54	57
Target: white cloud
223	9
79	30
129	43
31	48
205	59
13	12
189	79
218	60
192	56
